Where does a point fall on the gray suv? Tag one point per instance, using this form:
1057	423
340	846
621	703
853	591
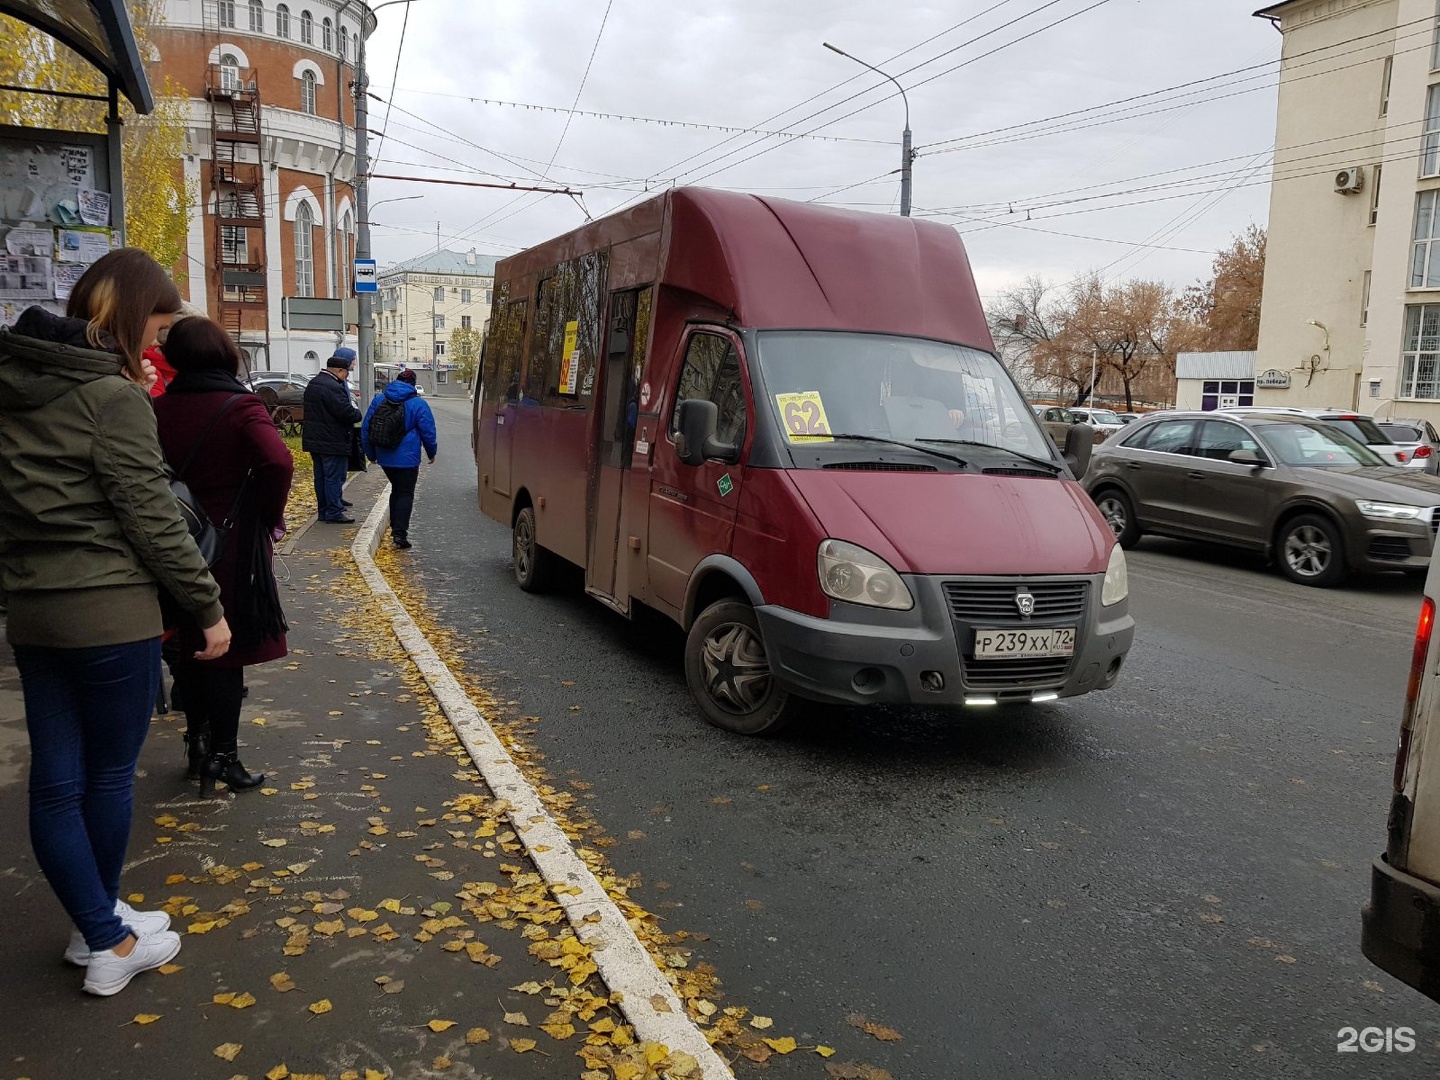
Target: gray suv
1317	501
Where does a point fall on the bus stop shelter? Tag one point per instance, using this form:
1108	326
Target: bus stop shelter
62	196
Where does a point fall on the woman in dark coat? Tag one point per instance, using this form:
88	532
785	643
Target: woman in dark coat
220	440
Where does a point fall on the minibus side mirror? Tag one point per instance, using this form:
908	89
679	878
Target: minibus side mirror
1079	442
695	442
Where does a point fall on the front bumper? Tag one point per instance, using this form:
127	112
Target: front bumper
1400	927
862	656
1393	545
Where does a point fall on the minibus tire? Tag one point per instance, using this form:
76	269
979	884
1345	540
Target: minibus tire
534	565
725	631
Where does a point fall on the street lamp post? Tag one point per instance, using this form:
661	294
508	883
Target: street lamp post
906	154
365	332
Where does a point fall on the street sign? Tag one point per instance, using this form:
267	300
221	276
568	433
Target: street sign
312	313
365	276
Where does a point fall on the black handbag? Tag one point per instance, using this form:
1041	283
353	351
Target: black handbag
357	453
208	536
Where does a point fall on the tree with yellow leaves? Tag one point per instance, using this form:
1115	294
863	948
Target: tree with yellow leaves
158	201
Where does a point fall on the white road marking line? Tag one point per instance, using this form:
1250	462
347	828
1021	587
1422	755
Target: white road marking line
650	1003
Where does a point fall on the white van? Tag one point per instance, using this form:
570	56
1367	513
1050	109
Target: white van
1401	923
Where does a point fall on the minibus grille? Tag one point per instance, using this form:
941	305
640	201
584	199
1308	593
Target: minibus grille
880	466
1016	674
993	603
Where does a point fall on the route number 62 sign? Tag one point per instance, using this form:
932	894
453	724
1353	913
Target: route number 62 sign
803	415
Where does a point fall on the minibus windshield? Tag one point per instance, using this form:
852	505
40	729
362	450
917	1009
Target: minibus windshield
896	388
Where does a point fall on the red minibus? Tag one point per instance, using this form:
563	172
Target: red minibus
784	426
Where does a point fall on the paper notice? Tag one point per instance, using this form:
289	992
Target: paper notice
82	245
66	275
25	277
94	207
23	241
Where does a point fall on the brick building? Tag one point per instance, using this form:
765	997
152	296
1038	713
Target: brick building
270	149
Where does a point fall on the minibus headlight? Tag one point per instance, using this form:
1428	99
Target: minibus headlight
849	572
1117	579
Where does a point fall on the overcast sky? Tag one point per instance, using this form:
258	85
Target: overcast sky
759	64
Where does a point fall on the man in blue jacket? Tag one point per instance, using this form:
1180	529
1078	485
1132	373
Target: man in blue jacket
325	434
402	463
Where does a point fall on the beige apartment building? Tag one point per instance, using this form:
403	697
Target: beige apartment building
1351	311
421	302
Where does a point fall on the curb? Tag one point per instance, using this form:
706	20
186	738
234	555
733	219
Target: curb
649	1002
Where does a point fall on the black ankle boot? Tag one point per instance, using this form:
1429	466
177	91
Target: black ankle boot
226	767
197	749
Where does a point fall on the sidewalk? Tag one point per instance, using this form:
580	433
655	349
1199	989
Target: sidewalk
368	913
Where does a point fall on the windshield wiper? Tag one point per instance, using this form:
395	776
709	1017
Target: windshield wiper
1056	469
896	442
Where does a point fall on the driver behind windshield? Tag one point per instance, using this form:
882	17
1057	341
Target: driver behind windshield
906	379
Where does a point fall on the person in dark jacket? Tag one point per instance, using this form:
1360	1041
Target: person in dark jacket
402	463
239	469
326	434
89	528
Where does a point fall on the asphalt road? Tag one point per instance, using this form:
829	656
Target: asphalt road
1160	880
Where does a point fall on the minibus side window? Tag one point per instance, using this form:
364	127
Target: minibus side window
712	372
503	353
565	346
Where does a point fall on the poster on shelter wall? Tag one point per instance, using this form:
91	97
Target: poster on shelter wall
25	277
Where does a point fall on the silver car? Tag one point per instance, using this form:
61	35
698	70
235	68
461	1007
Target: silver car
1317	501
1418	440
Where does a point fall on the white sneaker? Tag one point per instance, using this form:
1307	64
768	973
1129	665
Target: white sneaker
143	923
110	973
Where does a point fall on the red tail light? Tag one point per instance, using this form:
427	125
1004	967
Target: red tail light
1421	451
1412	690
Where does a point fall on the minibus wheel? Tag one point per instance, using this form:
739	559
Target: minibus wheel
534	566
729	673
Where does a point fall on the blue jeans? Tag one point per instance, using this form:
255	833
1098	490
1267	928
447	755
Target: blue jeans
330	470
87	712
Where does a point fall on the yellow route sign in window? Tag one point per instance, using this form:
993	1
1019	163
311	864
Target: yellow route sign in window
803	415
570	359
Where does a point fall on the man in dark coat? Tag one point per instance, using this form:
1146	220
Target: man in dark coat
327	433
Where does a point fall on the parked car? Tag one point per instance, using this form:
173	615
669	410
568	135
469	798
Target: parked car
289	386
1316	500
1130	417
1056	420
1400	926
1418	440
1106	422
1357	425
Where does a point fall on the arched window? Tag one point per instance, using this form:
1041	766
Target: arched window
257	17
229	72
312	358
225	10
344	43
307	92
307	28
327	35
347	233
304	251
282	20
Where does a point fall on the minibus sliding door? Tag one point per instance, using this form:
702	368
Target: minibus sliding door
627	327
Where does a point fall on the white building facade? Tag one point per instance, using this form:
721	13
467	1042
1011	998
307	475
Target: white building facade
1351	310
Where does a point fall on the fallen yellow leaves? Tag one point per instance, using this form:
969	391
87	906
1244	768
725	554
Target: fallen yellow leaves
870	1027
782	1046
282	982
321	1007
227	1051
145	1018
521	1046
477	1035
438	1026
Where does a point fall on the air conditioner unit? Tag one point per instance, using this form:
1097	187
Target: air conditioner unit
1348	181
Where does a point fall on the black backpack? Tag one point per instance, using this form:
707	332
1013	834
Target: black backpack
387	425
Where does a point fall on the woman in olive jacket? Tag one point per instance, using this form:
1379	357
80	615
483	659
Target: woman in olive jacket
89	530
